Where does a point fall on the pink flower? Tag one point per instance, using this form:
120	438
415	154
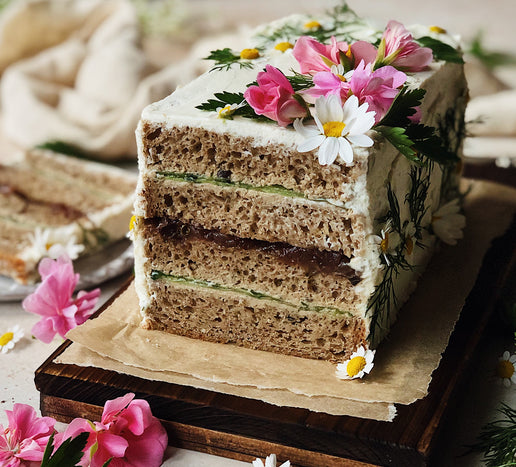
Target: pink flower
128	433
314	57
274	97
397	48
24	440
378	88
53	300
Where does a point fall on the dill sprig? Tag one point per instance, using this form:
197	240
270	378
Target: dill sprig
497	439
384	301
417	195
225	58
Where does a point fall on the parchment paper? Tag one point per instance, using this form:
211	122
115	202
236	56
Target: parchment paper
403	364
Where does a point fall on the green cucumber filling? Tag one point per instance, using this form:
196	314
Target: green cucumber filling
274	189
159	275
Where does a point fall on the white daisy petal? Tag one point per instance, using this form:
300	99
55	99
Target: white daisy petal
362	140
334	108
328	151
311	143
345	151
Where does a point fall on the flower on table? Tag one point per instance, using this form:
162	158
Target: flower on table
24	440
270	461
506	368
53	300
127	432
359	364
398	48
274	97
10	337
47	243
448	223
336	128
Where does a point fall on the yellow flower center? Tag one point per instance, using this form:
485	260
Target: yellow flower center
312	25
409	245
131	222
249	54
334	129
437	29
355	366
6	338
505	369
384	244
283	46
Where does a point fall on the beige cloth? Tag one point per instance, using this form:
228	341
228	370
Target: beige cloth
85	83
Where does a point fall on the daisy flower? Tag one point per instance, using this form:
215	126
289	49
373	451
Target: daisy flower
506	368
448	223
45	245
387	242
360	363
270	461
336	128
410	238
228	110
9	338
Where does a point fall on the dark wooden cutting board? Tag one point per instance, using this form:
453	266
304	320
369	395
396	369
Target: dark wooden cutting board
244	429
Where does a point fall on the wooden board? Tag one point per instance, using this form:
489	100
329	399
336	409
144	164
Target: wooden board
244	429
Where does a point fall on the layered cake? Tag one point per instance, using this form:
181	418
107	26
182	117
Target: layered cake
289	198
51	203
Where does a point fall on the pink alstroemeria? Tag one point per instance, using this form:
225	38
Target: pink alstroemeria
378	88
53	300
274	97
23	442
398	48
314	57
128	434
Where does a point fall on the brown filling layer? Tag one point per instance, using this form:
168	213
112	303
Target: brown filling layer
311	260
57	208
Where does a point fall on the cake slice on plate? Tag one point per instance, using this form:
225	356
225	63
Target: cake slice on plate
51	202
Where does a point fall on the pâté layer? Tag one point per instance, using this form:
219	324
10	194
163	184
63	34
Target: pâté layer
52	204
289	199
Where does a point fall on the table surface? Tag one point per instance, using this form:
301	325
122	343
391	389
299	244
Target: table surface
479	404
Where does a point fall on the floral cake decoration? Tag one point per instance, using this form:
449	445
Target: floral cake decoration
351	83
344	89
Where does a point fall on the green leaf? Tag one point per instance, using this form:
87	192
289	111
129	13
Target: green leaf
403	107
68	454
224	58
489	58
441	50
427	142
222	99
229	98
398	138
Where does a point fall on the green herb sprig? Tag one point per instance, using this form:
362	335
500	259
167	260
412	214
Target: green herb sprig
497	439
441	50
225	58
68	454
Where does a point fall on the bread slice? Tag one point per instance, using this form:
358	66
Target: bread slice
60	199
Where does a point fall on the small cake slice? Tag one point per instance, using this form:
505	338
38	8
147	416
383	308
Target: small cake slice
248	232
49	199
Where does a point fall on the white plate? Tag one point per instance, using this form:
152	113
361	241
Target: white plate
94	269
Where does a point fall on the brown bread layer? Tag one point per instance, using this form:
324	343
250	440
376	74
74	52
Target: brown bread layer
231	318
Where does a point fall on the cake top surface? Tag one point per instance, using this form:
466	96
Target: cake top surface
323	83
